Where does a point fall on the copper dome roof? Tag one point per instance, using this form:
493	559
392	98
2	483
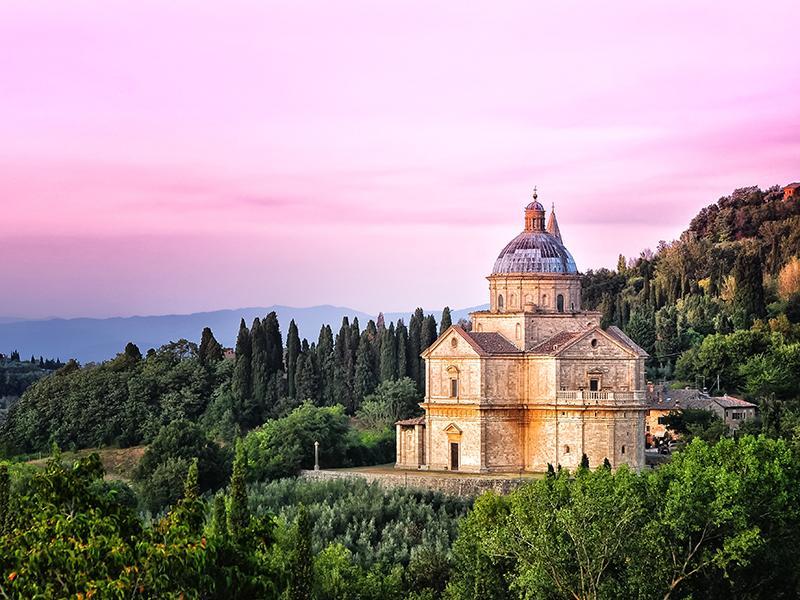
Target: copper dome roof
535	252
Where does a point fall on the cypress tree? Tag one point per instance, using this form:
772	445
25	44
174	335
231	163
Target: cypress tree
301	574
220	516
272	333
326	365
642	328
401	343
551	472
389	368
210	350
260	374
306	378
748	299
342	378
292	354
241	378
414	347
239	514
365	379
606	463
584	461
427	337
447	320
191	486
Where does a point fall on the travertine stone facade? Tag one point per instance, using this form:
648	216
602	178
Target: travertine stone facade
535	381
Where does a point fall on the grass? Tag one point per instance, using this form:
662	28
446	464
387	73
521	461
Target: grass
119	463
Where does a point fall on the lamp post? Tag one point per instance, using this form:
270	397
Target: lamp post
316	456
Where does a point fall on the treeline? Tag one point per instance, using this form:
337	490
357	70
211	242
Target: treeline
342	368
127	400
718	521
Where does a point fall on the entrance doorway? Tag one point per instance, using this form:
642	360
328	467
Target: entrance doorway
453	456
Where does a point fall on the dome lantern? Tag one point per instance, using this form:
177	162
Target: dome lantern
534	214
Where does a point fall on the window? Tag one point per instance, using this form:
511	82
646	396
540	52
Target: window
594	385
511	301
500	301
662	420
566	449
737	416
594	343
560	303
572	306
623	448
454	388
519	331
544	299
453	342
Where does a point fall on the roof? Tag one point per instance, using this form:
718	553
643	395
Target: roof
555	343
414	421
732	402
492	343
792	185
619	335
666	399
535	205
535	252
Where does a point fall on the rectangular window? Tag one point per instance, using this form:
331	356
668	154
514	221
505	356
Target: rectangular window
737	416
454	388
594	385
662	420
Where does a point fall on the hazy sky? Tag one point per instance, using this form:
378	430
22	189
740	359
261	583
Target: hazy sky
176	156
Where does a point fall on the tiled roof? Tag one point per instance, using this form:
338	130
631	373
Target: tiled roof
793	185
731	402
414	421
666	399
555	343
623	339
492	343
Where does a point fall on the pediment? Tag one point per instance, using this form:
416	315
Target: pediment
452	429
453	342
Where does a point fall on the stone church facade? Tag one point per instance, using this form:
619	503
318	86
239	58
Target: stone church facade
536	380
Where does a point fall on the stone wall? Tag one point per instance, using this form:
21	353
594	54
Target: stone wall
447	484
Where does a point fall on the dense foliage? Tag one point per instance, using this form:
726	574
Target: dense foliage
713	523
720	307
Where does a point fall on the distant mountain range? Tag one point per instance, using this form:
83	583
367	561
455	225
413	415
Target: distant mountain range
94	340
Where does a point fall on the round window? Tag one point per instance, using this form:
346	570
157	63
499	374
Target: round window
594	343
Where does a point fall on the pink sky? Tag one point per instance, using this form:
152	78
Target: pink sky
179	156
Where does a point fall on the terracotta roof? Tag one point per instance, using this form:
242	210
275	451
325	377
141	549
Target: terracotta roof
619	335
555	343
414	421
492	343
666	399
731	402
792	185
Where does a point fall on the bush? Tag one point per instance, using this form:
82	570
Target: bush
166	462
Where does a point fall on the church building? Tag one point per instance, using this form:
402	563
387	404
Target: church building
536	380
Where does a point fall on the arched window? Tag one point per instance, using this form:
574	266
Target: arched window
544	299
511	301
566	449
500	301
452	372
519	331
480	326
560	302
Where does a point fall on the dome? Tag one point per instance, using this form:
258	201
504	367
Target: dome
535	205
535	252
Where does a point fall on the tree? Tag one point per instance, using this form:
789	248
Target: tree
365	377
209	352
389	350
748	300
241	381
165	463
301	559
132	352
642	328
239	513
274	344
292	354
255	409
447	320
401	343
